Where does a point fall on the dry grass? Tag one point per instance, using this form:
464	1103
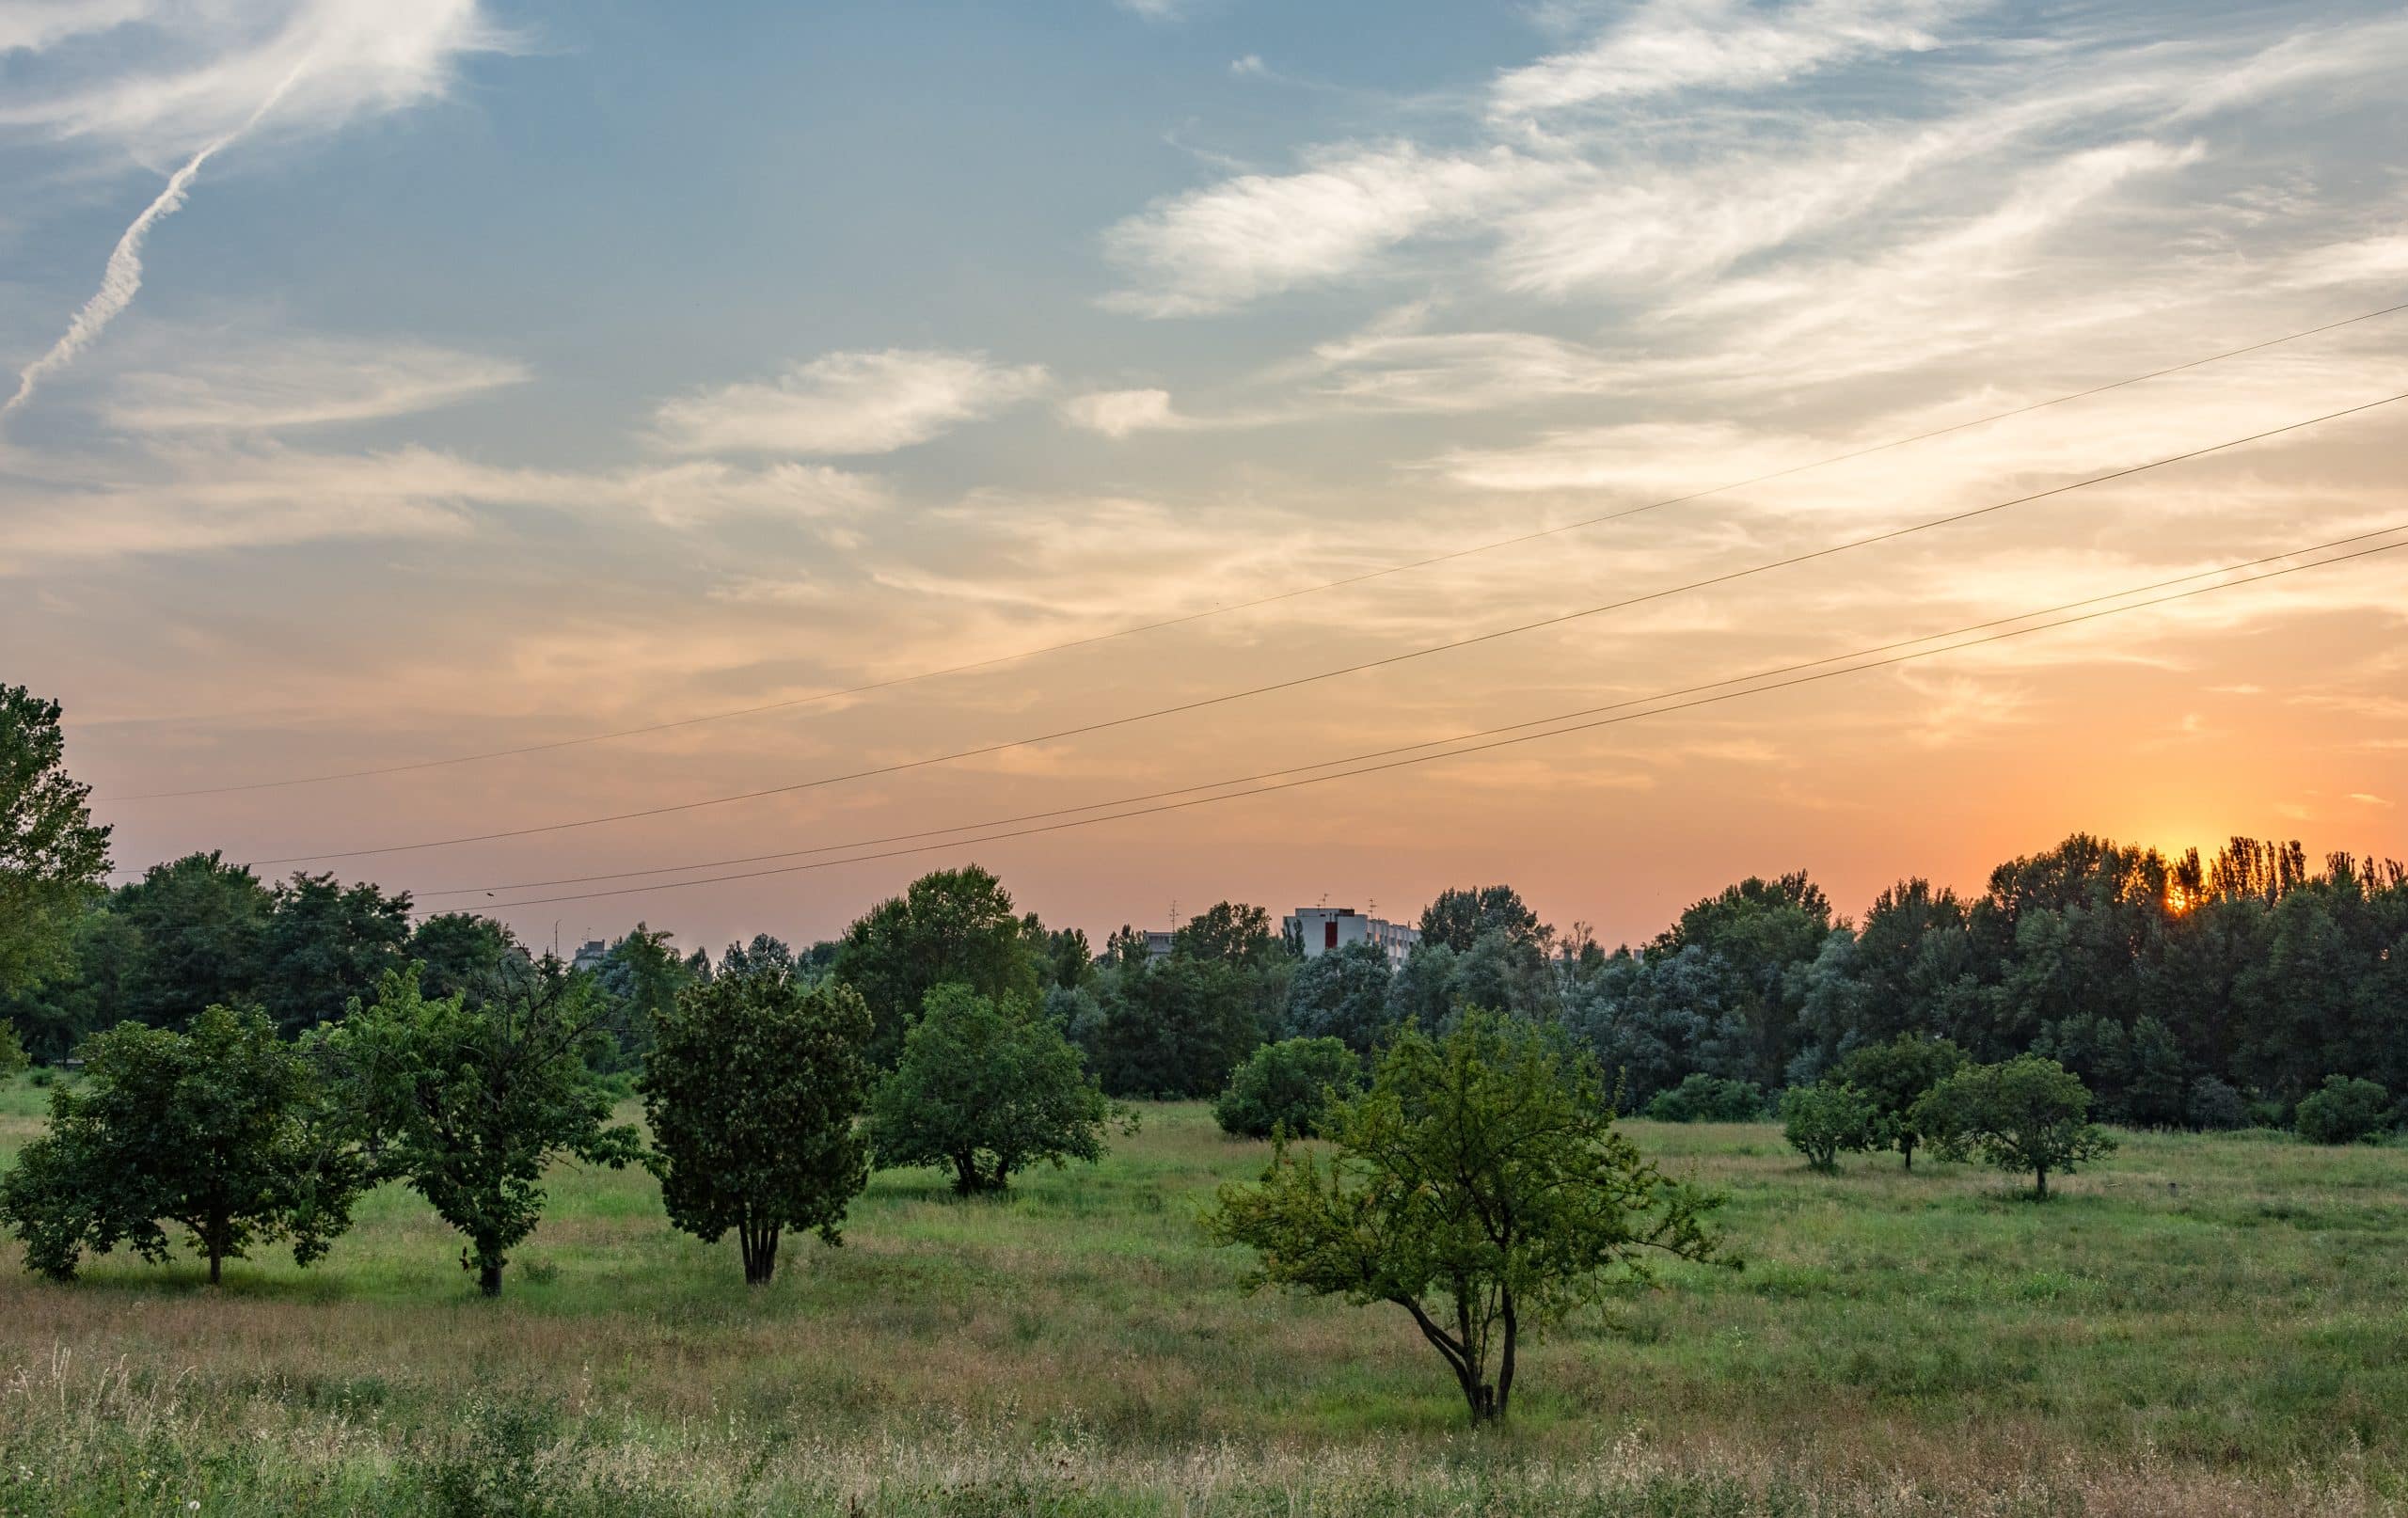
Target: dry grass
2207	1325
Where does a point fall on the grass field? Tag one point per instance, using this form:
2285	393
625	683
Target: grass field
2205	1324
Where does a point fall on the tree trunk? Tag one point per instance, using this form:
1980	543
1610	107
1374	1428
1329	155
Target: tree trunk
760	1254
216	1267
1907	1148
1505	1358
1003	1173
2041	1174
965	1174
489	1276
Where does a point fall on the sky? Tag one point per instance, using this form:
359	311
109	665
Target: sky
397	384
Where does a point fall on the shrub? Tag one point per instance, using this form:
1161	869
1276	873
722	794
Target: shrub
2215	1106
1710	1098
1820	1121
1288	1085
1894	1077
2346	1110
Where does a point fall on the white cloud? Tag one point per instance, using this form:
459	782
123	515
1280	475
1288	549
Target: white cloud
1249	67
1259	234
1156	11
847	403
208	495
1119	413
303	381
1669	46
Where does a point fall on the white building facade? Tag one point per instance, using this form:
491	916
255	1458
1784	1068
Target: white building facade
1324	929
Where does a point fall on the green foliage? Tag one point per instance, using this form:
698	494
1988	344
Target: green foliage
1481	1186
1708	1099
752	1093
2215	1106
1894	1077
2344	1110
323	943
52	854
469	1104
1230	933
951	926
460	954
1177	1027
1458	918
1341	994
1287	1087
218	1130
1822	1121
12	1050
640	977
2028	1115
984	1090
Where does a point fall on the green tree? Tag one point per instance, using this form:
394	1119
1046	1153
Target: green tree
460	954
751	1092
325	944
1288	1086
643	977
218	1130
1176	1027
1341	994
1458	918
469	1104
12	1050
1481	1186
2029	1114
950	927
1824	1120
1231	932
984	1090
1708	1099
52	854
199	926
2344	1110
1894	1077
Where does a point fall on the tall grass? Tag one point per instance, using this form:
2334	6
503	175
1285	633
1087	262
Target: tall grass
2206	1324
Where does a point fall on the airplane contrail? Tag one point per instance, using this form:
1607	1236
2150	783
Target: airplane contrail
123	278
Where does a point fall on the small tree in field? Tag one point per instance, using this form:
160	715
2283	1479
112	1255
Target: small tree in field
2344	1110
1894	1077
471	1105
752	1090
1481	1186
1821	1121
1288	1085
214	1130
2027	1114
984	1090
12	1049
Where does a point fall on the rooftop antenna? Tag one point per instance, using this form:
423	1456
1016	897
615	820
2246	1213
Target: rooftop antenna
1373	909
1174	915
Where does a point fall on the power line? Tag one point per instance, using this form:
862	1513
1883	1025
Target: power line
1454	754
1411	748
1183	620
1382	662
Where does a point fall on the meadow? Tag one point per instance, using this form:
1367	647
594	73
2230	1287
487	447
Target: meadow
2205	1323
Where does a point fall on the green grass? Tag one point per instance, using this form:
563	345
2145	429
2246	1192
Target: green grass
2211	1323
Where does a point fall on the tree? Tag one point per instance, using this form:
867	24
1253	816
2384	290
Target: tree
1287	1087
1230	932
199	925
642	976
985	1090
12	1050
460	954
2344	1110
1458	918
52	854
1894	1077
1176	1027
1708	1099
2029	1114
1341	994
1481	1186
217	1130
325	944
1821	1121
952	926
469	1104
751	1091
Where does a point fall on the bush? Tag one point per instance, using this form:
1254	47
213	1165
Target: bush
1288	1085
2345	1111
1710	1098
2215	1106
1820	1121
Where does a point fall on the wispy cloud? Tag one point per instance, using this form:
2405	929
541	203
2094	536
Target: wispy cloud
207	77
275	385
847	403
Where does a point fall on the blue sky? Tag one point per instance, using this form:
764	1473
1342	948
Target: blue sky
510	373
